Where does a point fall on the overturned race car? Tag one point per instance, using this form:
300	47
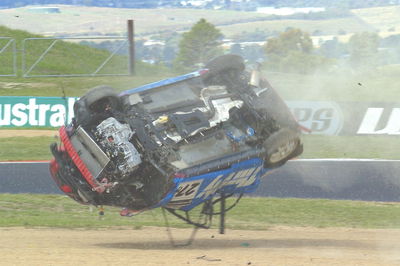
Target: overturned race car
176	143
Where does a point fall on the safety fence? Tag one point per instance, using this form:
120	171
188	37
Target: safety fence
41	57
8	57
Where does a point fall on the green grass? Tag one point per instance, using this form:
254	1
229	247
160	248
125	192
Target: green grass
314	212
252	213
75	86
25	148
63	58
363	147
315	146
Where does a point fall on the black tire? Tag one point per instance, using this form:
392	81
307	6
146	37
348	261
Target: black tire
101	93
224	63
93	103
281	146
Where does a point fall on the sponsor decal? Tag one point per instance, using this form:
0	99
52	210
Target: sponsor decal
35	111
238	179
320	117
379	121
184	194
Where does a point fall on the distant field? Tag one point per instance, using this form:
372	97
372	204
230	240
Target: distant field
95	20
327	27
381	18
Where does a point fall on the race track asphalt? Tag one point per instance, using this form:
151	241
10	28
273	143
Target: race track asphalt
370	180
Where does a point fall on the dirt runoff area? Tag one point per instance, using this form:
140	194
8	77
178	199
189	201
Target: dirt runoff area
151	246
8	133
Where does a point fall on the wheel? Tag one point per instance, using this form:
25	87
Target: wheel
281	146
99	97
94	103
224	63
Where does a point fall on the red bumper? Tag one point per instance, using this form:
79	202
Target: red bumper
78	162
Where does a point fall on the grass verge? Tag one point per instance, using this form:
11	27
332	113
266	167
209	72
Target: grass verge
32	210
363	147
25	148
315	146
78	86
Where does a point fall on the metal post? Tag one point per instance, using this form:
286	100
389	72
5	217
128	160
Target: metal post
131	41
222	217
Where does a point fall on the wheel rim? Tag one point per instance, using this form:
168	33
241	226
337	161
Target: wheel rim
283	151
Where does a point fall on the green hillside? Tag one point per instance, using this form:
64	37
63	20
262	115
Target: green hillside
64	57
69	58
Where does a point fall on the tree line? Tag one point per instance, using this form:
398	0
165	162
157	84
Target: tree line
291	51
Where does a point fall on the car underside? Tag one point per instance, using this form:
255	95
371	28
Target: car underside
126	149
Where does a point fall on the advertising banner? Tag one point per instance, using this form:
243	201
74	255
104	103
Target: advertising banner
379	119
370	118
321	117
348	118
25	111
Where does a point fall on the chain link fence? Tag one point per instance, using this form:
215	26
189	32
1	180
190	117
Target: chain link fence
65	57
8	57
